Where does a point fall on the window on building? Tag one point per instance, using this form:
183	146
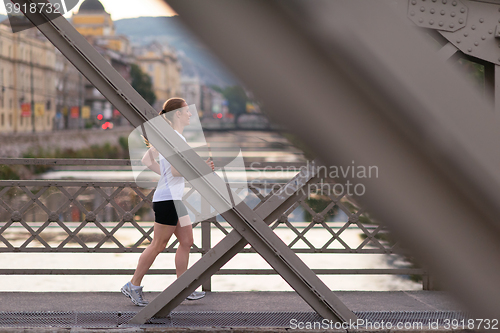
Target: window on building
2	120
10	120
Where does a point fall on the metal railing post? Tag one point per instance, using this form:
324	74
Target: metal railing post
206	226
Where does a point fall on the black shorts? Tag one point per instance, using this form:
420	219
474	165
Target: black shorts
168	212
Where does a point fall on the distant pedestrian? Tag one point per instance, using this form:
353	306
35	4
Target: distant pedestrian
171	216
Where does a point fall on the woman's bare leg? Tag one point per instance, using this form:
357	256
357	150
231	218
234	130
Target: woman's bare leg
161	236
185	236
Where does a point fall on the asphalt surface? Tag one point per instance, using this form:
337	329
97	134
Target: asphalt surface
229	301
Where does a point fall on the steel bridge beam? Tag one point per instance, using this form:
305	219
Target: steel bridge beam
135	109
372	91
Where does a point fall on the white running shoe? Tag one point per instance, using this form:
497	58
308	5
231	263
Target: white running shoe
196	295
135	294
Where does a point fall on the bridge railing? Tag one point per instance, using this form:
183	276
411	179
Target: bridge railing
90	216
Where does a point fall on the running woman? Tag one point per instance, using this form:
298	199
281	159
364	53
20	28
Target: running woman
171	216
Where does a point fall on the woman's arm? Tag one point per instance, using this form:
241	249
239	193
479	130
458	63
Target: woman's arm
175	173
149	160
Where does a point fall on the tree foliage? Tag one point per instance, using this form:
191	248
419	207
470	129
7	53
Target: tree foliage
143	84
236	100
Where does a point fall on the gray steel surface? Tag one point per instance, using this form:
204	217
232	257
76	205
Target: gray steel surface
362	74
443	15
480	36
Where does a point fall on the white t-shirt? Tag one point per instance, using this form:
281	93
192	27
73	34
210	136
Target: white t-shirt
169	187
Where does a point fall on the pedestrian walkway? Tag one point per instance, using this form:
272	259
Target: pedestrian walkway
277	310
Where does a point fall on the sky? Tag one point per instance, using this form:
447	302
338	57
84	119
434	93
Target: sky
120	9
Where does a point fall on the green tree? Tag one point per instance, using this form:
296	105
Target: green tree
236	101
143	84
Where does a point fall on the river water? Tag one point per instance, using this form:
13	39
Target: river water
257	146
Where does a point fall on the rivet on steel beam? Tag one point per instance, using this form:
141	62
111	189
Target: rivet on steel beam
481	20
16	216
422	9
469	49
412	13
473	27
454	3
476	43
466	34
443	12
462	10
431	22
483	37
458	41
445	1
452	25
432	11
53	217
421	20
91	217
441	23
434	0
414	2
461	21
490	31
453	14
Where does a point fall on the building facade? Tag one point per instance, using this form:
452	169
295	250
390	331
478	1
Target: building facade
27	79
94	23
164	69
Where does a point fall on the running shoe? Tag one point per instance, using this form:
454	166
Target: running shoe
135	294
196	295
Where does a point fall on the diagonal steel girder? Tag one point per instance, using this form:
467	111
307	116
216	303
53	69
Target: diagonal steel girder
135	109
373	91
225	250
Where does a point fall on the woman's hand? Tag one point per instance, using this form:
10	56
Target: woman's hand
210	164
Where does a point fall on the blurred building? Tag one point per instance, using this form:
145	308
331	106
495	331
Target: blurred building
208	101
93	22
71	113
27	80
156	60
212	103
191	90
162	65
